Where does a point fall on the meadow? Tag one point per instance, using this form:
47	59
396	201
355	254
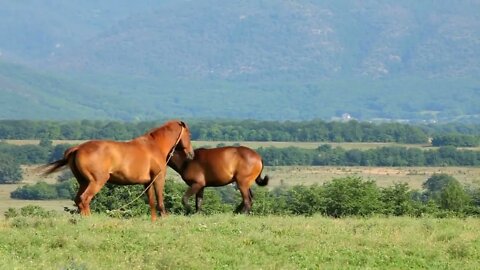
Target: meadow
230	241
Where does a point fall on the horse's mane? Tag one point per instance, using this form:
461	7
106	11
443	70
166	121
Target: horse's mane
152	132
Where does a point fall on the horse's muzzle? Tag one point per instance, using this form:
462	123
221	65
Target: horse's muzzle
190	155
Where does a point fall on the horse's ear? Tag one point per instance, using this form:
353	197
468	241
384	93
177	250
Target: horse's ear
183	124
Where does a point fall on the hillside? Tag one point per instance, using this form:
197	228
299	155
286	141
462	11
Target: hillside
276	60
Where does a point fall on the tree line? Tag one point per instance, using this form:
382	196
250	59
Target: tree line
247	130
390	156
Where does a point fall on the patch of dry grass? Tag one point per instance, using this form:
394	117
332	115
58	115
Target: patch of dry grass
383	176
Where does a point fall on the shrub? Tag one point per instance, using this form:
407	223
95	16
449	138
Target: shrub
44	191
305	200
397	200
38	191
36	211
116	197
351	196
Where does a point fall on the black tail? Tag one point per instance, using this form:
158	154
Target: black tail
259	180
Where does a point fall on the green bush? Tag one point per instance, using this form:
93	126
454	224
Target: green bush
116	197
305	200
36	211
44	191
351	196
397	200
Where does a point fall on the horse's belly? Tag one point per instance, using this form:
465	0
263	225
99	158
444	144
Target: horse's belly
219	179
122	179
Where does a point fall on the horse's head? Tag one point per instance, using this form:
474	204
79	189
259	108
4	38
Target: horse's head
184	143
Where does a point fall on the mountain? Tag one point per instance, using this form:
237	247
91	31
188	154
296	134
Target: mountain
281	60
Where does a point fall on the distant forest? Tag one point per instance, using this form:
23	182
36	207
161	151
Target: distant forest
446	137
325	154
250	130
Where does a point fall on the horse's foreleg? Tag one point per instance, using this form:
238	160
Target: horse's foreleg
159	186
199	200
151	201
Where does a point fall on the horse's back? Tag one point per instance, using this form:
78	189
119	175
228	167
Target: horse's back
226	154
120	159
104	148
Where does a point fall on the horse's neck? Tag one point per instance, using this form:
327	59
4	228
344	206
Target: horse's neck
177	163
166	138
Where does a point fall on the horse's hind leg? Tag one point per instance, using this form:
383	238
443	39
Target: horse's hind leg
198	200
82	185
246	204
95	183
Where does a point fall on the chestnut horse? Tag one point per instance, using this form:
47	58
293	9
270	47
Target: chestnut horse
218	167
143	160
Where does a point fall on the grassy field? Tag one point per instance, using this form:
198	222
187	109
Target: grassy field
239	242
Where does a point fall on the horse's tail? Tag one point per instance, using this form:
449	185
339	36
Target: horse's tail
262	181
58	164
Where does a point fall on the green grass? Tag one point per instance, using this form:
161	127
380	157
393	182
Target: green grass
239	242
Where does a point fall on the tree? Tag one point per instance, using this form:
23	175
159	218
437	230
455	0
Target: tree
10	171
453	197
447	192
437	182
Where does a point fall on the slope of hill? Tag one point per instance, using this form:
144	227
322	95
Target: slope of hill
251	59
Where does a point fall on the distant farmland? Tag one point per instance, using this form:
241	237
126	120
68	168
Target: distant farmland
257	144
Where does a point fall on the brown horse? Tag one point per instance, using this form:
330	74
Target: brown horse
218	167
139	161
